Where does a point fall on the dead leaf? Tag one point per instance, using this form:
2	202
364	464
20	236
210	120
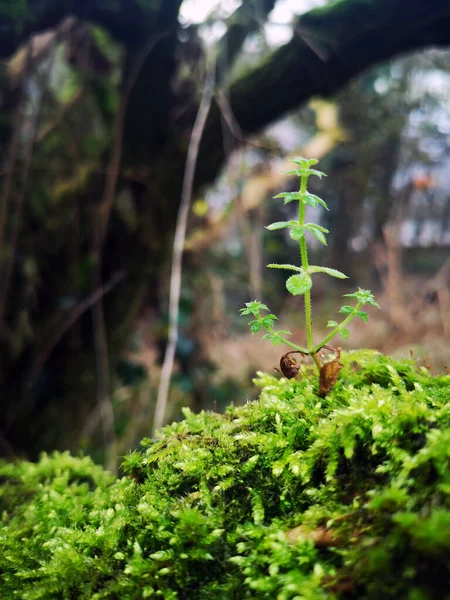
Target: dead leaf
329	374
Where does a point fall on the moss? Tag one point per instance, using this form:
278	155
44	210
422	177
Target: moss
290	496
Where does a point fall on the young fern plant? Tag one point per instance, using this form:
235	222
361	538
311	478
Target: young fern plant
300	283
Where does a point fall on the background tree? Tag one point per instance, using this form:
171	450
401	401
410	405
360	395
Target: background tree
92	175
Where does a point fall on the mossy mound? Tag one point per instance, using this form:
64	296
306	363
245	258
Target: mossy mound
288	497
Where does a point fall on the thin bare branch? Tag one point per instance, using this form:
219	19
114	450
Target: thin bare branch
178	247
231	121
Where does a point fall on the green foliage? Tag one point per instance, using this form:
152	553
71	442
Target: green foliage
301	283
291	496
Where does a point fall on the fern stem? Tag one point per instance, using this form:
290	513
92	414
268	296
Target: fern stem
335	331
305	267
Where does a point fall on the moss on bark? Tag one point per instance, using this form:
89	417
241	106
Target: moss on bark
290	496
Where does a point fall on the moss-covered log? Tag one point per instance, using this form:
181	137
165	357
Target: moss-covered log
291	496
330	45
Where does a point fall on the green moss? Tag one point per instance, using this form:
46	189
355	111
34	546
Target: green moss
290	496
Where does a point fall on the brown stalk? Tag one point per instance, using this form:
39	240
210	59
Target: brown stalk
178	247
231	121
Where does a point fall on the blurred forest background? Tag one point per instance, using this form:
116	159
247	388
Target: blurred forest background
98	101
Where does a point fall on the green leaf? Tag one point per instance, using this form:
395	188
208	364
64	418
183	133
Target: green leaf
346	309
255	327
297	172
320	236
362	315
289	196
280	225
332	323
311	226
267	336
298	285
303	172
297	232
284	332
364	297
310	199
328	271
305	162
313	200
267	322
318	174
344	333
253	308
289	267
316	233
322	203
274	317
276	341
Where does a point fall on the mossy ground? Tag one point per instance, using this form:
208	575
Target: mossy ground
288	497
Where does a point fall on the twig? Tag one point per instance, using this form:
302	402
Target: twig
180	236
232	122
250	236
